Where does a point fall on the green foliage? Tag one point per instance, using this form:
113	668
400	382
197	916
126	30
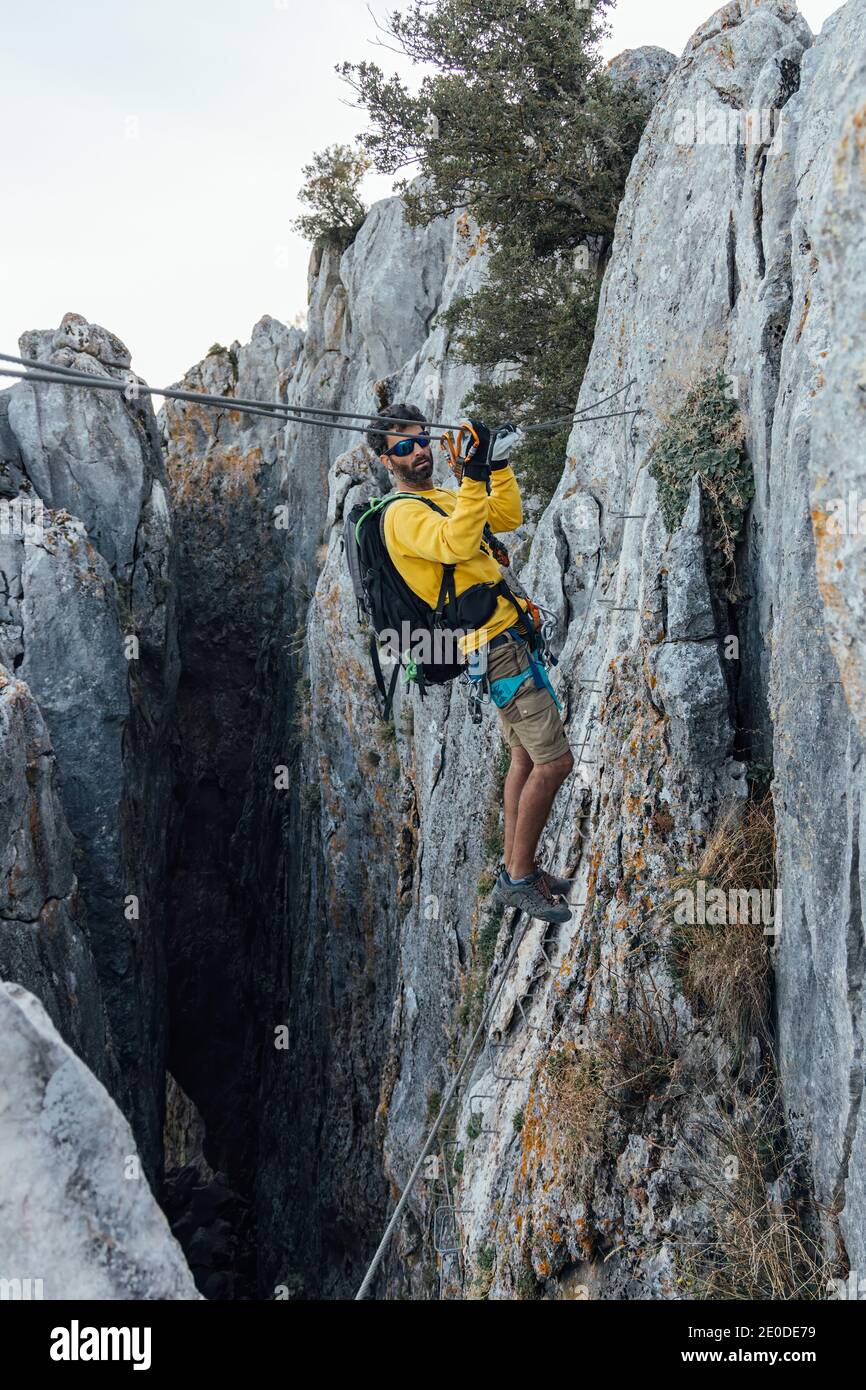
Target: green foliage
539	317
517	124
515	119
501	766
330	191
483	956
485	1261
473	1128
486	882
487	940
704	437
759	775
493	834
528	1288
493	830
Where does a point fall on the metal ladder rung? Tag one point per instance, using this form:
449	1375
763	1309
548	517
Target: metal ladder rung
501	1076
480	1095
438	1242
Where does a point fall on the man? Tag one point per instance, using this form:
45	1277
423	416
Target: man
420	542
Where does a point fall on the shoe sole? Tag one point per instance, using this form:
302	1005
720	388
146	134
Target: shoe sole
543	917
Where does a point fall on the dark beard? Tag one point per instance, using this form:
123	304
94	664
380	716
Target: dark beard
413	472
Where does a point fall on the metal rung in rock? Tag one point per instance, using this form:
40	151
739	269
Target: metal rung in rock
445	1229
493	1048
630	516
546	957
480	1096
540	974
533	1027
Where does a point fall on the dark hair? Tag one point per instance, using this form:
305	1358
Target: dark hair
377	434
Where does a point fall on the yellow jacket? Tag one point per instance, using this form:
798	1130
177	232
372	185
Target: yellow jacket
420	541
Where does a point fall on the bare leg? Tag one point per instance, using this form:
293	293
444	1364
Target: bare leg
533	808
521	767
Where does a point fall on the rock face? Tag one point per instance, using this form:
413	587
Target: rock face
649	68
370	311
810	596
76	1212
331	941
44	932
88	622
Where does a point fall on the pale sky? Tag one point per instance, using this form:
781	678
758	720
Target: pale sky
153	154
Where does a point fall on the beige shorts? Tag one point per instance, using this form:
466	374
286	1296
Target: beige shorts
530	720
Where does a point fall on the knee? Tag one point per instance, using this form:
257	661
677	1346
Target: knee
556	771
564	766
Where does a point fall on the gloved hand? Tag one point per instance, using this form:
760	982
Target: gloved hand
504	440
477	464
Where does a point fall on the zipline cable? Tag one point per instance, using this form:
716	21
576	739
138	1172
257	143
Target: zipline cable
581	410
279	408
91	383
55	374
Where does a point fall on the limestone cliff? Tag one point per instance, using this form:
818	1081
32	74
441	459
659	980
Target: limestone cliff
88	623
727	258
314	885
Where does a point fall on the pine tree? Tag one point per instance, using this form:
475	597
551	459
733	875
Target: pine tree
330	190
517	123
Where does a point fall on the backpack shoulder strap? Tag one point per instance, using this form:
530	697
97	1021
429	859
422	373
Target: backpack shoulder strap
447	593
411	497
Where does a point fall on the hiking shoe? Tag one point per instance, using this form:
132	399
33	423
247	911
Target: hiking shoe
533	898
560	887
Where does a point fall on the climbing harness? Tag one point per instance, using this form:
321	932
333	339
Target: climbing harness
504	688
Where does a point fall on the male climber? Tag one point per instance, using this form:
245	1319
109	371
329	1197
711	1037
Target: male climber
419	542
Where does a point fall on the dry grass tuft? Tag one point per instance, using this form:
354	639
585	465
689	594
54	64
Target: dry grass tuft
759	1249
726	968
589	1086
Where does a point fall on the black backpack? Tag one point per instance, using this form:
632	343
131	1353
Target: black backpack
387	602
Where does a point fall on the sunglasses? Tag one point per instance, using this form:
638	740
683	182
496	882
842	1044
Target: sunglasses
407	446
